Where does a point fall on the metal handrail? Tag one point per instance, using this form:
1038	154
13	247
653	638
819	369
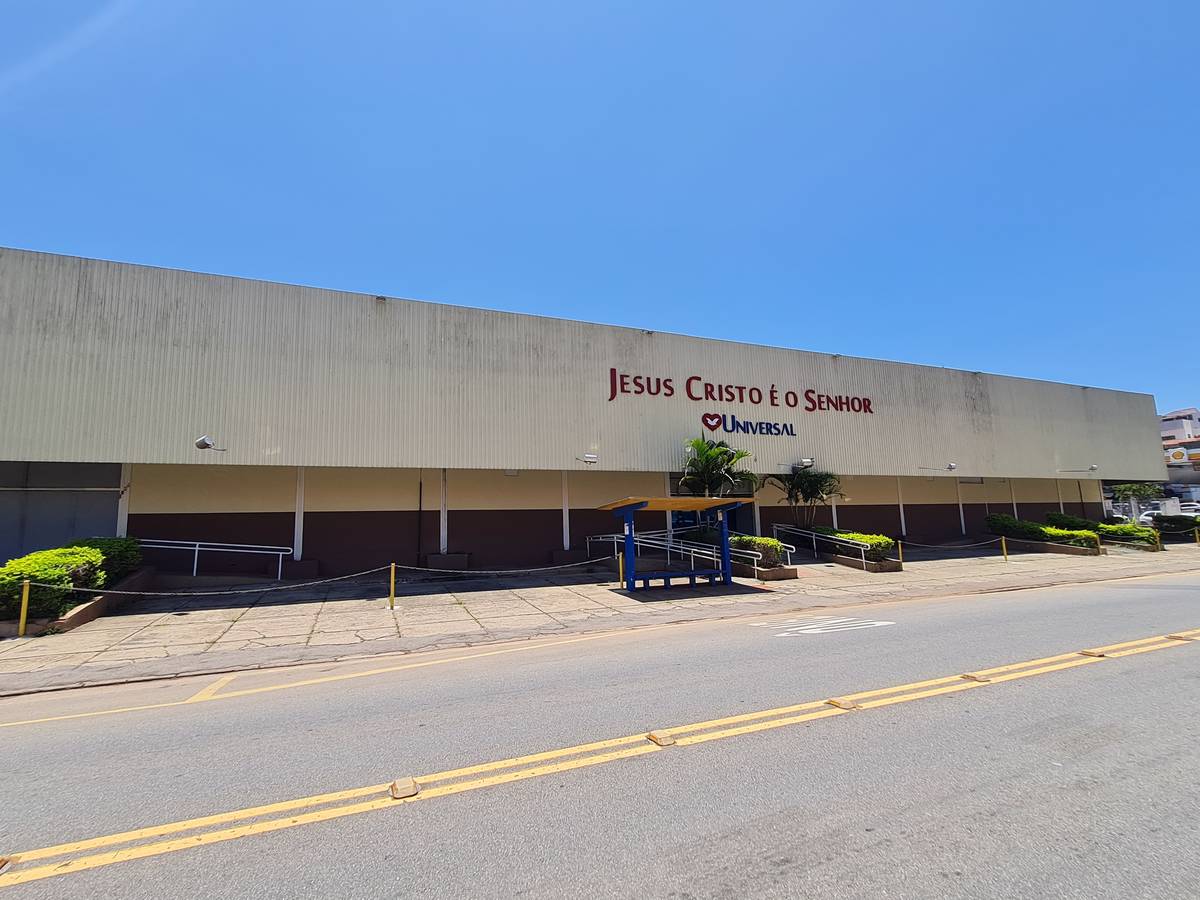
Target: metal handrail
690	549
815	536
198	547
788	549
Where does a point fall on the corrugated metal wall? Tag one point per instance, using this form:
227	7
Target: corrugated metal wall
105	361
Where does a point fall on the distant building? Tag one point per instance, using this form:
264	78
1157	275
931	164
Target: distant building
1180	425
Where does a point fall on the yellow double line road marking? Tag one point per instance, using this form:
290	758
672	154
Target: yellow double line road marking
218	828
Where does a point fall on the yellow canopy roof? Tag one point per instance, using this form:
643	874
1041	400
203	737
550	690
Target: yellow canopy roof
675	504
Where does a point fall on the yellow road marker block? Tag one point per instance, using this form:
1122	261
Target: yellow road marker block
404	787
1096	653
1181	637
974	676
842	703
662	738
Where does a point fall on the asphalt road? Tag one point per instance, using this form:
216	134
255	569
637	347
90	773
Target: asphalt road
1079	782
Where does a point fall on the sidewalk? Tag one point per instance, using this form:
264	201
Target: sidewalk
169	636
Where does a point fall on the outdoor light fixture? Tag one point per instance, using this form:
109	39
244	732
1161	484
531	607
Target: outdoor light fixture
1092	468
204	442
589	459
949	467
805	463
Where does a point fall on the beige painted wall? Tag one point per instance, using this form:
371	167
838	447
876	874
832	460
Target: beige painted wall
205	489
588	490
337	490
492	489
300	376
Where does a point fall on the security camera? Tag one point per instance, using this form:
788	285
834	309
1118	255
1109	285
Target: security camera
204	442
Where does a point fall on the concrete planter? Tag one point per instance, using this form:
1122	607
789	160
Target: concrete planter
855	562
457	561
777	573
1148	548
93	607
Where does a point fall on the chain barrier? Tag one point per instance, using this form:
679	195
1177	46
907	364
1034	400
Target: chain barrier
908	543
306	584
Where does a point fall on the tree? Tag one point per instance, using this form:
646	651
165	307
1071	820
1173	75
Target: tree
1137	490
711	468
1133	491
809	488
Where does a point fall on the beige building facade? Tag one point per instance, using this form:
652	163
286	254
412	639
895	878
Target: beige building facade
359	430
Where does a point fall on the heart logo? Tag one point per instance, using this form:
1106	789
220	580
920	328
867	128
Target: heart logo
711	421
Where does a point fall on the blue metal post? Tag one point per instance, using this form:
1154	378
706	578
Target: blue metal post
726	562
630	553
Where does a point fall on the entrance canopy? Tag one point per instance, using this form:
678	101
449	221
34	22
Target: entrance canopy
672	504
628	506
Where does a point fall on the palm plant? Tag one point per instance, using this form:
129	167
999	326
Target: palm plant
807	489
711	468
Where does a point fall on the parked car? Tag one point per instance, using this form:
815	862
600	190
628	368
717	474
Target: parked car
1189	509
1147	518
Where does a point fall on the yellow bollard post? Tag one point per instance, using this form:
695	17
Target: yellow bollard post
392	588
1197	531
900	551
1004	547
620	568
1100	552
1158	538
24	608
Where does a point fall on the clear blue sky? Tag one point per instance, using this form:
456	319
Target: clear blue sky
1001	186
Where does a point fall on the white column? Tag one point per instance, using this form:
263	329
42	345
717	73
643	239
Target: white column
962	516
1058	490
123	501
298	531
443	519
900	501
566	514
1012	492
667	493
833	510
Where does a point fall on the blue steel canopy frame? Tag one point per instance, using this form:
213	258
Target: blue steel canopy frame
626	509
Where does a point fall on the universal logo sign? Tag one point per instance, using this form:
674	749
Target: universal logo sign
731	424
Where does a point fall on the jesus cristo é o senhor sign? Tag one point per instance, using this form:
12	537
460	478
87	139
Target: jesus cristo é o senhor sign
696	388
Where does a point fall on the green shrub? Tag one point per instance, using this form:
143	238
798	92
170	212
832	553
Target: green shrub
1125	531
1065	520
121	555
65	567
999	523
1176	524
880	545
1135	534
771	549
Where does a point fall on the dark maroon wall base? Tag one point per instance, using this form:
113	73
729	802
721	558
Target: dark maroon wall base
274	529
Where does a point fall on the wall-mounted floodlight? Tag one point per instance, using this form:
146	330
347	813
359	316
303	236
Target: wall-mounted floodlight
1092	468
204	442
588	459
949	467
806	462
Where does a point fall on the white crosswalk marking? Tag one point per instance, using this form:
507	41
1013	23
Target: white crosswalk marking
819	625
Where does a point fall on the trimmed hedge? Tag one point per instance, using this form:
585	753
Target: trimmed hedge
121	555
1134	534
65	566
771	549
998	523
881	546
1074	523
1176	524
